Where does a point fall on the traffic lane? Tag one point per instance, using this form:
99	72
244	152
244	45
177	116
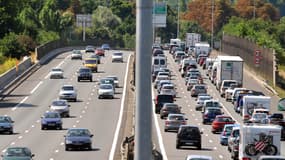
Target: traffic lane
100	118
25	89
49	88
27	112
209	141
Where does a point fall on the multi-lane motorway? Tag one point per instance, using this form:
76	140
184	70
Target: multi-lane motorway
27	103
210	142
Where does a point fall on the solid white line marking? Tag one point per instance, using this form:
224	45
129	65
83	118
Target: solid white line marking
36	87
22	101
116	135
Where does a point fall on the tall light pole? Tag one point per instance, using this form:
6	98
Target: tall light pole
177	19
212	27
254	4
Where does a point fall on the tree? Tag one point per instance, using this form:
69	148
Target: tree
261	9
10	47
29	20
200	11
50	16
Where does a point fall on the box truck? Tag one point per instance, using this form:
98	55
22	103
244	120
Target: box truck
251	103
201	48
191	39
229	68
258	140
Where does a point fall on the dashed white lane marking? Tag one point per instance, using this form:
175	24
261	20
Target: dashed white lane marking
33	126
74	126
13	143
193	114
199	124
4	150
26	131
220	156
56	151
51	159
185	96
62	143
215	148
189	106
196	119
80	116
38	121
210	141
20	137
22	101
191	109
83	111
206	135
77	121
88	102
36	87
92	94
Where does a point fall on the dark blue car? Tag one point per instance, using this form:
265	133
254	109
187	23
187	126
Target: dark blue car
105	46
210	114
78	138
51	120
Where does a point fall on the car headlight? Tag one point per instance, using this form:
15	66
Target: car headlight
68	141
58	122
44	122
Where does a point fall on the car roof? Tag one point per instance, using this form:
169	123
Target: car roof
175	114
67	85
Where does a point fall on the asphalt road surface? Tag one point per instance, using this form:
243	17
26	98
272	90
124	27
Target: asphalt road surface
31	99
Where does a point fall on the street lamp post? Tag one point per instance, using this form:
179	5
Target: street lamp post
212	27
177	19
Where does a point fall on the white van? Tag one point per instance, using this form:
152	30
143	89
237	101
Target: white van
158	62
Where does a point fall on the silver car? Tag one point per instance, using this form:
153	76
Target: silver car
106	91
116	80
168	89
174	121
61	106
200	102
68	92
198	88
117	57
6	124
56	73
76	54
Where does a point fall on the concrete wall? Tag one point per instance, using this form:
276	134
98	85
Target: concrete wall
13	73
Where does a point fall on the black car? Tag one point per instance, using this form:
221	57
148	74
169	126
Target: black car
160	100
78	138
84	74
188	135
210	114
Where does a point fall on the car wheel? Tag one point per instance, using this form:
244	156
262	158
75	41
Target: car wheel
74	99
89	148
43	128
165	130
214	132
11	132
177	146
229	149
199	147
60	128
204	122
90	80
78	80
161	117
99	97
66	148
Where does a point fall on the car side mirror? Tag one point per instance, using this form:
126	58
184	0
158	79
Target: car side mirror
222	112
201	132
91	135
64	136
33	155
69	105
186	118
42	117
12	121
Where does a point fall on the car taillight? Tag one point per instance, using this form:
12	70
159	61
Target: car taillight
205	116
166	122
183	122
245	158
236	147
193	90
246	117
224	133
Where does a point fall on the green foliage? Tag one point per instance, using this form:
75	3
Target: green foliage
49	16
10	46
264	33
47	36
7	64
129	41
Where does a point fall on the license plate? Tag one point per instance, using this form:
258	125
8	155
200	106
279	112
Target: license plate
51	124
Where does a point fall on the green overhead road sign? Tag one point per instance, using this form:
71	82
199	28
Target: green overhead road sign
159	8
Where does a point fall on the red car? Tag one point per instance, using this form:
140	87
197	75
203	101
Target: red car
100	52
220	121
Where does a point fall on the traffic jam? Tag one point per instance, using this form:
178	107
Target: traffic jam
257	136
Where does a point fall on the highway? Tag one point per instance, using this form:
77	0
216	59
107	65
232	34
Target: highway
210	142
31	99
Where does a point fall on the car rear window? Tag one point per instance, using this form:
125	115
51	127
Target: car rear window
162	62
176	118
165	98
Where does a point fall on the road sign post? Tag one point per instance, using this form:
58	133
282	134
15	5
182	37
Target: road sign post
257	57
83	20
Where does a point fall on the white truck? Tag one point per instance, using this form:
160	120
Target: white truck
258	140
191	39
229	68
201	48
250	103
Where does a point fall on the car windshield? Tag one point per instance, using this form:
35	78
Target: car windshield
212	104
224	119
168	87
199	87
204	98
282	102
228	130
259	116
17	152
77	132
113	77
84	70
176	117
4	120
76	52
91	61
56	69
214	111
228	83
106	87
68	88
107	81
52	115
118	54
59	103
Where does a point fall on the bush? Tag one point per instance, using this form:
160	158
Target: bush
46	36
10	46
8	64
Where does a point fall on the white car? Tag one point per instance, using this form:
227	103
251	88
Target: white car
168	89
68	92
228	94
76	54
159	78
116	80
61	106
117	57
56	73
106	91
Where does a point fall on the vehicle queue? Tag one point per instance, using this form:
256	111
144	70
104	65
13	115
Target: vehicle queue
193	68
